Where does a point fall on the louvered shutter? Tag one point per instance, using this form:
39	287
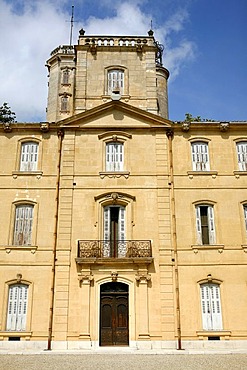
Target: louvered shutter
200	157
211	226
23	225
115	81
17	308
242	155
211	307
110	155
198	225
29	156
107	221
119	157
121	233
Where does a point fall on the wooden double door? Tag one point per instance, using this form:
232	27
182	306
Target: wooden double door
114	314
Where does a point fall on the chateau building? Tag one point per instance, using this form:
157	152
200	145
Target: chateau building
120	227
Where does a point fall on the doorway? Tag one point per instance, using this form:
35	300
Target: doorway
114	314
114	232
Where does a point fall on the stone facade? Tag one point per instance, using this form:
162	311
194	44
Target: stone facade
104	238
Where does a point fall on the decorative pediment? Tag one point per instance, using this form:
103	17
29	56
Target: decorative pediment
115	114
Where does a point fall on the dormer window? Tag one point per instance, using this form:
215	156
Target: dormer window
115	81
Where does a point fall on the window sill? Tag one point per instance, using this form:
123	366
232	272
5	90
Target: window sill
191	174
203	334
219	247
237	174
31	248
38	174
114	174
26	335
122	96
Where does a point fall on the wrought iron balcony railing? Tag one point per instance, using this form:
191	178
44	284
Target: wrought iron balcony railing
114	249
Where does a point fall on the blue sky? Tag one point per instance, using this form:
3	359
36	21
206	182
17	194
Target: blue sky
205	49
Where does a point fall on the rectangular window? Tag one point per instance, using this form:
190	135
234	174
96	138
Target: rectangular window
114	232
205	225
17	307
64	104
115	81
200	157
242	155
114	156
65	79
211	307
23	225
29	156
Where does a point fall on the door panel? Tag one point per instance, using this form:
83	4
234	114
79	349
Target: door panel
114	326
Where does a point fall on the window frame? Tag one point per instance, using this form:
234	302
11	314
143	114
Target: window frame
32	165
242	166
211	227
124	90
116	163
17	307
21	142
33	237
193	144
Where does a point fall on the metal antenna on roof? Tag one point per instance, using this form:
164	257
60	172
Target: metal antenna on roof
71	25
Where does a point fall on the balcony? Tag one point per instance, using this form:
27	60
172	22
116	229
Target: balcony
107	251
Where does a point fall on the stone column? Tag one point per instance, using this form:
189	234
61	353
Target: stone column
143	279
85	279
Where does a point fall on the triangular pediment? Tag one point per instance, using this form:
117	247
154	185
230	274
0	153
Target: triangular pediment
115	114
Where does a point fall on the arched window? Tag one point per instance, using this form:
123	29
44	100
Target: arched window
205	225
200	156
211	307
242	155
17	307
23	224
114	156
64	103
65	77
29	156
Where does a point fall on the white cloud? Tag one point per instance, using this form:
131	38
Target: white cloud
30	30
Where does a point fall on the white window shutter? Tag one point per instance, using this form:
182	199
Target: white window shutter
122	248
242	155
211	225
211	307
23	225
17	307
115	81
200	157
106	237
198	225
29	156
114	157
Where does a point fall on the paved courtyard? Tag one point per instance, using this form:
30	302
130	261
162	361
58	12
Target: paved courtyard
109	361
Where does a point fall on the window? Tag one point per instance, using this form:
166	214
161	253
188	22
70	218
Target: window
200	157
23	224
64	104
114	156
245	216
205	224
211	307
242	155
114	231
17	307
29	156
65	78
115	80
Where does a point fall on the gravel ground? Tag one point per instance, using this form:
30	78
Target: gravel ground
123	362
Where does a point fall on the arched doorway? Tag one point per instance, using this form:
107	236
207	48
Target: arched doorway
114	314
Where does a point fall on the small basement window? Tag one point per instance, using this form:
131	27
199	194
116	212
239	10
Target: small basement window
214	338
14	338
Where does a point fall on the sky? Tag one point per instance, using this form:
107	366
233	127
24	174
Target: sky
205	49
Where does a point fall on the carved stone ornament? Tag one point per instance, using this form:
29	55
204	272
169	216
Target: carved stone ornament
7	126
224	126
18	278
185	126
85	278
143	277
44	126
114	275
